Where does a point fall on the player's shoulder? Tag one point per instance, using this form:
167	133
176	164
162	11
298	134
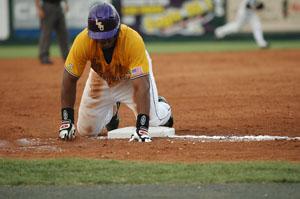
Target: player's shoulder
130	34
83	36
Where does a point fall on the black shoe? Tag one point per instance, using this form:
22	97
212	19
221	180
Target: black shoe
46	61
170	122
115	120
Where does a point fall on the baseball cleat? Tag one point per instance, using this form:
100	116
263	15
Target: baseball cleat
115	120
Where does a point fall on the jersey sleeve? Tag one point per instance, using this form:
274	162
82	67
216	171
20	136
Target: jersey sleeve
136	52
78	55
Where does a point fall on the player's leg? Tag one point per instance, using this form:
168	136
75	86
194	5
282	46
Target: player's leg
160	110
234	26
257	31
96	106
227	29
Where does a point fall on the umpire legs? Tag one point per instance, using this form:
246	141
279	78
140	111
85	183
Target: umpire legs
54	20
45	38
62	35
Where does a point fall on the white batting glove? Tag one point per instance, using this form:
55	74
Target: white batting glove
141	132
141	136
67	130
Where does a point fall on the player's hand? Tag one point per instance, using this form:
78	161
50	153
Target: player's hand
141	133
67	130
67	127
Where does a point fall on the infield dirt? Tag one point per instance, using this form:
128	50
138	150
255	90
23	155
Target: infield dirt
229	93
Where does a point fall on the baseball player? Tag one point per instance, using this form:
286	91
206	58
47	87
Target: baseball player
246	14
120	71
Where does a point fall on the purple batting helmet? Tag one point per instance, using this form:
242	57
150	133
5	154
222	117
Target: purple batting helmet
103	21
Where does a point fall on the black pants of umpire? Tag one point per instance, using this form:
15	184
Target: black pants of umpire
54	20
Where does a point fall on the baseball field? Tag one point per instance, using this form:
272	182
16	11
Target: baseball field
215	89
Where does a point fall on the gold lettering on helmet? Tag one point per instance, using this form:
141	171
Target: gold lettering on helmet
100	25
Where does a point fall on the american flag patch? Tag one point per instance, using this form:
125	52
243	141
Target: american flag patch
137	71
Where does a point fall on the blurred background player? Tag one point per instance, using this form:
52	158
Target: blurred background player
246	13
219	8
121	71
52	17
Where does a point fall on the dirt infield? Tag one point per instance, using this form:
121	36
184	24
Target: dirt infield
232	93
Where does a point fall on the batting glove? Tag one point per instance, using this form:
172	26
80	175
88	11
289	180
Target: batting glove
67	128
141	133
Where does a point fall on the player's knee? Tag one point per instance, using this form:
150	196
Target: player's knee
160	121
87	130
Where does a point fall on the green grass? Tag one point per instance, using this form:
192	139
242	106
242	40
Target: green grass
29	51
77	172
13	51
217	46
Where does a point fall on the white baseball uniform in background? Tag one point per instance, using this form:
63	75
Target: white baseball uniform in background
244	16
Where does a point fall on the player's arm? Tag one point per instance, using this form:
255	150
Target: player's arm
68	96
74	67
139	68
68	90
141	87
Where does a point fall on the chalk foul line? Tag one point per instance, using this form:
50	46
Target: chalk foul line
215	138
234	138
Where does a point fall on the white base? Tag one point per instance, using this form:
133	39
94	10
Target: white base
126	132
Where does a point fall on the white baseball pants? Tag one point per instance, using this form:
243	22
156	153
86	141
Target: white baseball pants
98	100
